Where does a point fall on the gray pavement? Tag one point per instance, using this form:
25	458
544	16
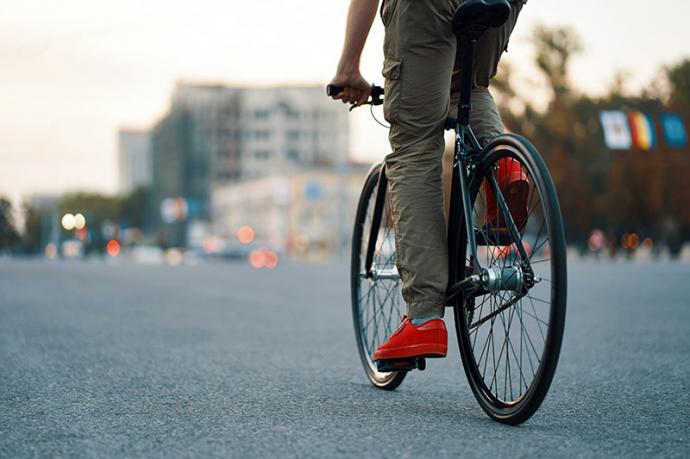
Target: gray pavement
106	360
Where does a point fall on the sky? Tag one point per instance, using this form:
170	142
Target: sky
73	71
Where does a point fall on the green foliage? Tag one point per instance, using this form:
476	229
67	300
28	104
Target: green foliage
555	47
127	211
642	191
133	208
95	206
9	237
679	80
33	221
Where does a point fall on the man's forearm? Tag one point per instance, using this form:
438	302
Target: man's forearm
359	19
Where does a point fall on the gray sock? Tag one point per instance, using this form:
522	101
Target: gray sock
422	320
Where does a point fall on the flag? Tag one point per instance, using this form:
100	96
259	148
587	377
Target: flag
674	130
642	130
616	129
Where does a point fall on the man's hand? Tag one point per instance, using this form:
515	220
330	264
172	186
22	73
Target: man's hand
359	19
356	88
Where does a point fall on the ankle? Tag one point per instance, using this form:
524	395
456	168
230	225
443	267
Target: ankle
422	320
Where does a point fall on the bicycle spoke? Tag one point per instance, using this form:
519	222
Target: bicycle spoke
543	337
499	324
378	298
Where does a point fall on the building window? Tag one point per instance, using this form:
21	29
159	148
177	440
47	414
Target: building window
262	114
262	134
262	154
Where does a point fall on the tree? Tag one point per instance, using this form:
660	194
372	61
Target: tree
97	208
33	222
555	47
133	208
616	191
9	237
679	81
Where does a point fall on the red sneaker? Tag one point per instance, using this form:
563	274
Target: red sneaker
512	179
409	341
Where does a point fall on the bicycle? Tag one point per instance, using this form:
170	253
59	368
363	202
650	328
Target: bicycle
507	282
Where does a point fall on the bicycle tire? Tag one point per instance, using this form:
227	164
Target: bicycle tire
520	409
360	235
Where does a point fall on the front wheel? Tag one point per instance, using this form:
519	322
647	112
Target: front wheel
510	338
377	303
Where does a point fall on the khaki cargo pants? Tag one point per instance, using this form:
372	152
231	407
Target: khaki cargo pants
421	68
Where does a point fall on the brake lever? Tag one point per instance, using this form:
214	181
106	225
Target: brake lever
375	96
354	105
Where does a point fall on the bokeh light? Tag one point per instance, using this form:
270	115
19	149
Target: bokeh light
630	241
212	244
51	251
633	241
174	257
81	233
263	258
113	248
245	234
271	259
68	222
597	240
79	221
257	259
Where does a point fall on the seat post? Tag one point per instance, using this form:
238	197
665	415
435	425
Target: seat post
469	46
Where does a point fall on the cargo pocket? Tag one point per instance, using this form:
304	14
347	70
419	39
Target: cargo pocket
392	70
387	10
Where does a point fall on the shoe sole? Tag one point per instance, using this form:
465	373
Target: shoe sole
418	351
418	363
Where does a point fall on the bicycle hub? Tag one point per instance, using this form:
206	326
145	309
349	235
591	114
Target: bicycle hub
508	278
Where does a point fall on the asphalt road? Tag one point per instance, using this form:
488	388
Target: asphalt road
106	360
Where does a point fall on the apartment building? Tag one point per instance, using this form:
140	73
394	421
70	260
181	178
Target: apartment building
216	135
134	159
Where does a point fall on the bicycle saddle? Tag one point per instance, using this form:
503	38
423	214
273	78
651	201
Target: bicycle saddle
479	15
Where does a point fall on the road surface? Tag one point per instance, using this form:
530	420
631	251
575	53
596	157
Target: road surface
111	360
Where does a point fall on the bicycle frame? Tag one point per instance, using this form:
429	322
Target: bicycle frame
468	152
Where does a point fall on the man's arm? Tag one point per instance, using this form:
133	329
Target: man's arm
359	19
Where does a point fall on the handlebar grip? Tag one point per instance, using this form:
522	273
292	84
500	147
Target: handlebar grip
333	90
376	93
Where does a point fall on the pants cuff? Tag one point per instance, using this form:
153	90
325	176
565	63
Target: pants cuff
420	309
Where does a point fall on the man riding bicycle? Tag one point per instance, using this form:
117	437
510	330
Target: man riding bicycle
422	84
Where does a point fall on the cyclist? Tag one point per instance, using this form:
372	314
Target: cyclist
421	70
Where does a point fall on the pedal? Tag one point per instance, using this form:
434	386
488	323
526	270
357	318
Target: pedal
385	366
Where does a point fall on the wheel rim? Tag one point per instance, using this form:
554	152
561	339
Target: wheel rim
379	300
508	342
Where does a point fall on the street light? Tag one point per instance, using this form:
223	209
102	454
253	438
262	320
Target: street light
68	221
79	221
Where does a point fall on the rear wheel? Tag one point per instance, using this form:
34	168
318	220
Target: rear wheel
510	340
377	304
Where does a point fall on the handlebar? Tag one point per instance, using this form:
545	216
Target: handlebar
375	95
